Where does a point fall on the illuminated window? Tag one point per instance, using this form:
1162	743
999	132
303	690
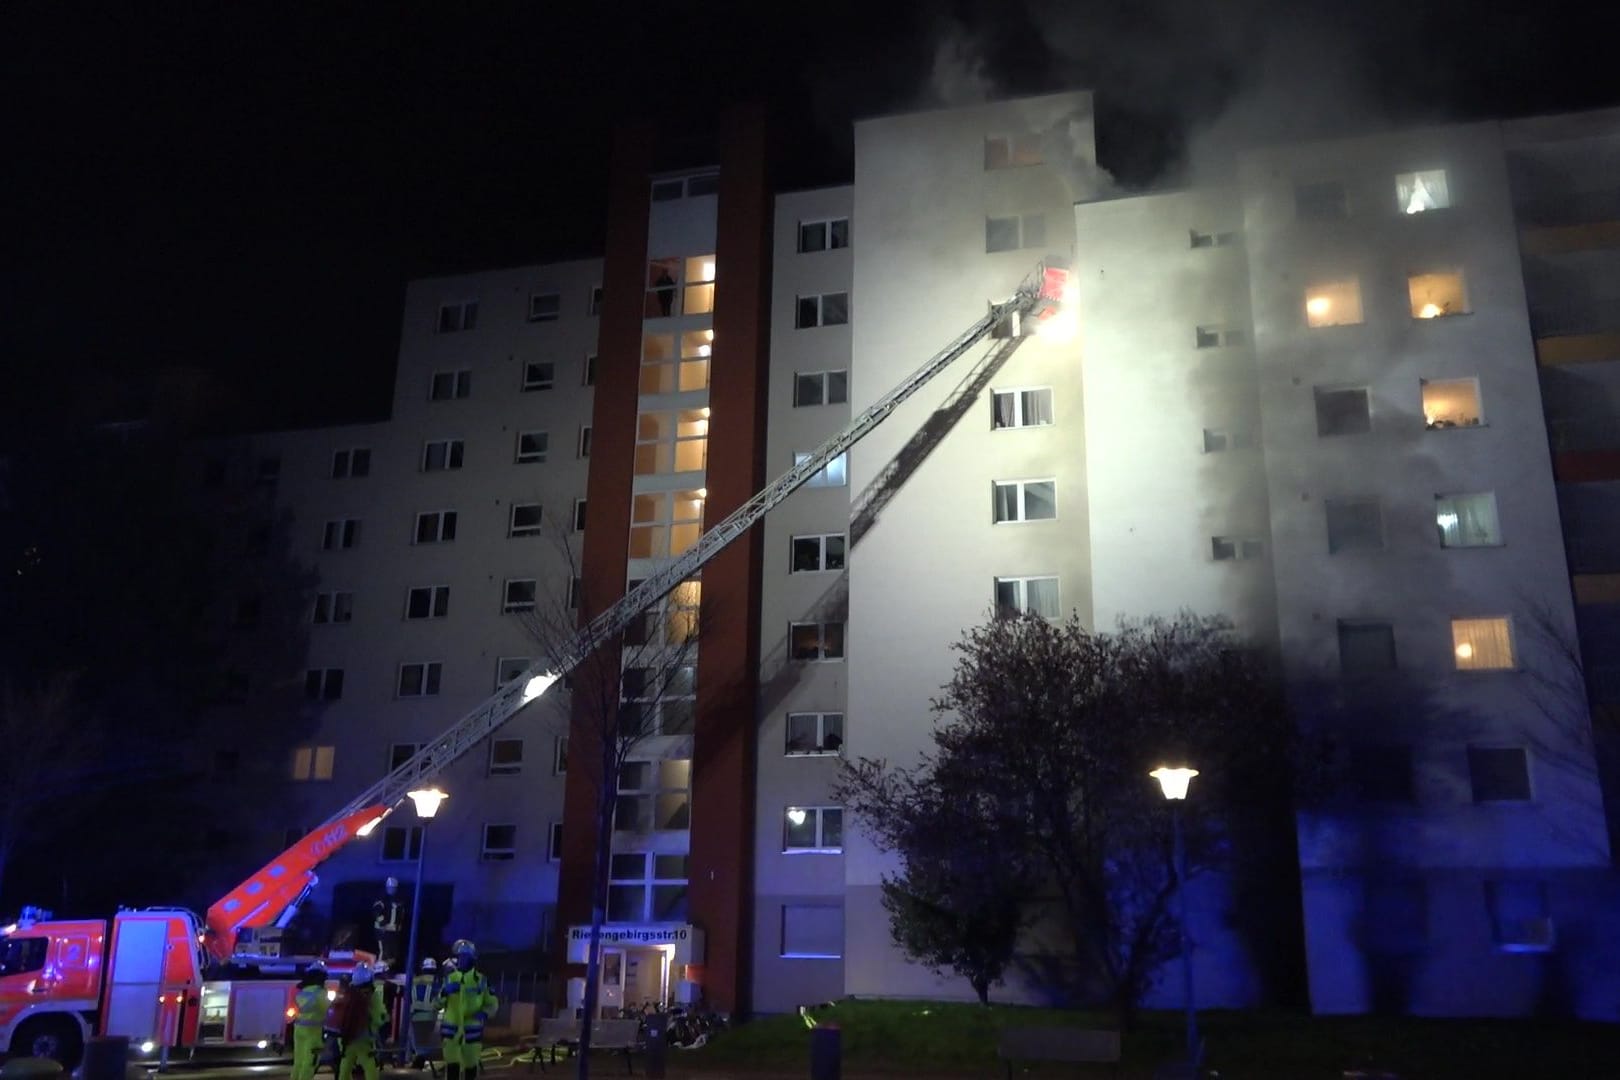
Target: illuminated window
1482	644
323	684
1437	295
313	762
654	796
442	454
1025	500
457	317
352	463
816	641
813	828
1021	408
812	554
834	474
1354	524
545	307
677	286
812	931
1467	520
427	602
500	843
518	595
1499	774
1342	411
665	523
525	520
646	886
435	527
1236	548
672	622
820	388
665	372
449	385
824	235
1366	648
826	309
508	668
1333	303
1220	440
539	375
1382	773
420	680
340	535
698	298
1013	233
1219	337
401	844
1323	200
1012	151
1417	192
333	607
1451	403
1028	596
579	515
814	733
672	442
532	447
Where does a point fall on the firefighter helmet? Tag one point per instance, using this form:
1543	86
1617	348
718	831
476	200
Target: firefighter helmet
391	884
429	965
466	954
362	973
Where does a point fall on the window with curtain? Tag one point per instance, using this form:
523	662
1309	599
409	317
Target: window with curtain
1482	644
1467	520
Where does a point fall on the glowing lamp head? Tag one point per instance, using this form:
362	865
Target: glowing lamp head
1173	781
1465	651
796	816
705	350
538	685
148	1046
426	801
708	271
1429	311
1318	306
263	1044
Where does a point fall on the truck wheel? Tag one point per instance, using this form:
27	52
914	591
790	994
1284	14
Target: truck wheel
49	1037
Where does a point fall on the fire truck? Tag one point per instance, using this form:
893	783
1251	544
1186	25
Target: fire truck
169	980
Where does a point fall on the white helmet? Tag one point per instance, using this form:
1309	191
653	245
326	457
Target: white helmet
391	884
362	974
429	965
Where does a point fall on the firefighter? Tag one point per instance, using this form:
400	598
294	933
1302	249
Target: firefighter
424	1008
467	1005
310	1003
388	917
363	1019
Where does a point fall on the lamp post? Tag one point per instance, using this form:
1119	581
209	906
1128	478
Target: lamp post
427	802
1174	781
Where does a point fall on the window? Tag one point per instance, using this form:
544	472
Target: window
1482	644
1210	240
675	363
672	442
812	931
665	523
1027	596
505	757
441	454
323	684
816	641
1013	233
420	680
1342	411
587	374
579	515
593	306
575	586
812	554
673	621
824	235
333	607
1417	192
1366	648
19	956
401	752
654	796
689	280
427	602
1499	773
1025	500
820	387
1333	303
827	309
1354	524
559	755
686	187
435	527
545	307
313	762
582	448
352	463
1451	403
532	447
1021	408
1236	548
500	843
814	733
1217	336
1322	200
1220	440
519	596
1520	921
1436	295
340	535
450	385
1381	773
1010	151
554	844
402	843
525	520
457	317
833	474
658	700
539	375
647	887
1467	520
813	828
508	668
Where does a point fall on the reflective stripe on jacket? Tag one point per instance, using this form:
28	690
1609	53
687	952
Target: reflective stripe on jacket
310	1001
468	1004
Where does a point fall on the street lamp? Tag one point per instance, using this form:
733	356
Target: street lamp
426	801
1174	781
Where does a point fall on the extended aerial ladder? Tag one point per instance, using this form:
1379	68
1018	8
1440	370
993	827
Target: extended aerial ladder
272	895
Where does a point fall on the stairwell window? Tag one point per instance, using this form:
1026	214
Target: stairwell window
665	523
1014	233
1420	192
816	641
427	602
333	607
1451	403
834	474
1024	500
679	285
454	318
820	388
815	734
518	596
340	535
435	527
1021	408
1028	596
313	762
524	520
441	454
323	684
654	796
451	385
825	235
420	680
675	441
545	307
647	887
814	829
1467	520
824	309
1482	644
401	843
814	554
539	375
676	363
532	447
351	464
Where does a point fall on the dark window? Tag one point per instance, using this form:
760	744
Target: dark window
402	844
1366	648
1354	525
1382	773
1499	774
1342	412
18	956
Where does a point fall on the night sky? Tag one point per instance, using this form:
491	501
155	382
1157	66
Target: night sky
245	188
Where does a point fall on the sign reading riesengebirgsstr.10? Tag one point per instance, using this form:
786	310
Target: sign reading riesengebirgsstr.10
686	939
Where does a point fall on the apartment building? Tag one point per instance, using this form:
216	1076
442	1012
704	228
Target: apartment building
1315	398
